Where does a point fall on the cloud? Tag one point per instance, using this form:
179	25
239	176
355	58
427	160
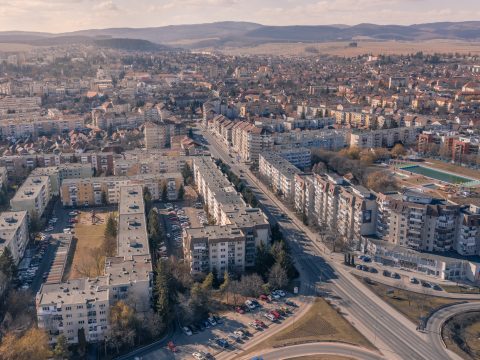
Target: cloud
106	6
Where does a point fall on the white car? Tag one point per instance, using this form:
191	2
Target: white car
199	356
250	305
281	293
67	231
187	331
73	213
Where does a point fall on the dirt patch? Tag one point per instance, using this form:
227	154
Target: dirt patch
461	334
412	305
89	235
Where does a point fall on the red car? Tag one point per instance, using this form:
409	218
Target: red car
264	298
239	310
275	314
260	323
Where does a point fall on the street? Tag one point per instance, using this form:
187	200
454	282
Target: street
390	331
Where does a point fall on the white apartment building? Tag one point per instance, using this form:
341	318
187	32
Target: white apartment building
19	104
33	196
382	138
300	157
14	233
61	172
279	173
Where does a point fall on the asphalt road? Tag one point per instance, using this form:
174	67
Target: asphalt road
390	331
436	321
321	348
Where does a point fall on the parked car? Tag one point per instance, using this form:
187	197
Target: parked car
187	331
199	356
269	316
386	273
250	305
395	275
222	343
437	287
373	270
264	297
426	284
291	303
281	292
212	321
275	313
413	280
239	310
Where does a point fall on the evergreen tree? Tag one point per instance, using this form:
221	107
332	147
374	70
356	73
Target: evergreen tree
165	294
181	193
147	199
7	264
60	351
164	193
263	260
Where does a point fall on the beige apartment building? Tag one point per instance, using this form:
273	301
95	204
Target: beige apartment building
58	174
67	308
149	162
14	233
33	196
95	191
156	135
382	138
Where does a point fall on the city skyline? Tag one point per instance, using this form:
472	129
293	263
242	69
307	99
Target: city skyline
71	15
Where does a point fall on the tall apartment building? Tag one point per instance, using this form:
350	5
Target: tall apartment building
229	245
383	137
300	157
66	308
33	196
156	135
14	233
423	223
95	191
248	141
468	236
279	173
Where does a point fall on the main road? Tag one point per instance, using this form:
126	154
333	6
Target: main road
394	335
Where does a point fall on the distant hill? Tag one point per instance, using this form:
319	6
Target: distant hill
129	44
230	33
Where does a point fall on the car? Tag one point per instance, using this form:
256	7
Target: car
73	213
367	259
199	356
359	267
426	284
291	303
269	316
437	287
222	343
255	302
239	310
243	333
67	231
386	273
187	331
200	326
373	270
212	321
281	293
275	313
365	268
250	305
275	295
280	312
413	280
207	324
261	323
234	336
255	326
264	297
395	275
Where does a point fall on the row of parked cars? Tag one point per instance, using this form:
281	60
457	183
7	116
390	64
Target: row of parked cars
179	221
26	276
425	284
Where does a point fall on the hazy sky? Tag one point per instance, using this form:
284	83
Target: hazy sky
69	15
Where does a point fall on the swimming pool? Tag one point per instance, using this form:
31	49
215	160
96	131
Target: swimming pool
437	174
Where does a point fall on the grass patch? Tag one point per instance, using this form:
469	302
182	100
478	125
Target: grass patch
321	323
411	304
89	237
461	334
461	289
455	169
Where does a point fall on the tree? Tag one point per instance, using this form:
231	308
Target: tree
164	291
7	264
224	288
147	199
31	345
263	260
187	174
104	198
251	285
111	226
122	325
281	253
181	192
207	283
380	181
164	193
109	246
398	150
82	341
277	277
60	351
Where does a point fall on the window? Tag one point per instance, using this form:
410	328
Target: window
81	322
68	308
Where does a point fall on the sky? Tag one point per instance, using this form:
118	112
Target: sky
70	15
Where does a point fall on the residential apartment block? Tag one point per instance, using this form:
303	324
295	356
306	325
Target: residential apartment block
61	172
97	191
67	308
157	136
14	233
382	138
279	174
149	162
230	244
33	196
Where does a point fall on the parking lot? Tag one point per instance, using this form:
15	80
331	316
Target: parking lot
231	330
177	217
377	272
